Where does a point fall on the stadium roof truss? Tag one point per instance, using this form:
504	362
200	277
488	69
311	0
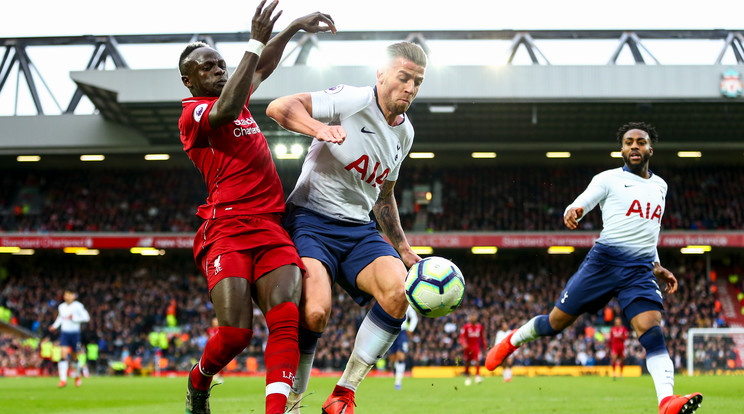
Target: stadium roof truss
486	106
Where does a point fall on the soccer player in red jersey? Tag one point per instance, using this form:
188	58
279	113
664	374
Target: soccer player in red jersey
241	248
618	336
472	341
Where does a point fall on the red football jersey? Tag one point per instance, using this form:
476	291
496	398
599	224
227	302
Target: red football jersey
618	335
234	160
471	336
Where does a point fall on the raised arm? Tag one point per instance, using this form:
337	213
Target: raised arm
293	113
272	54
238	87
386	211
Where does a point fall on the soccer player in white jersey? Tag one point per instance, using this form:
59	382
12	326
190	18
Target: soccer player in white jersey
506	364
328	211
623	263
70	315
399	349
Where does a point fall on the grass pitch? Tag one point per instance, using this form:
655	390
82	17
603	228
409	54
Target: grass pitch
125	395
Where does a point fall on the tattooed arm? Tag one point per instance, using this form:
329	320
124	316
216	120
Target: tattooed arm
386	211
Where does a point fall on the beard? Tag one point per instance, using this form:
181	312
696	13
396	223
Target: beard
637	168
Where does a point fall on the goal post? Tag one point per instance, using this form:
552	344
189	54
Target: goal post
735	335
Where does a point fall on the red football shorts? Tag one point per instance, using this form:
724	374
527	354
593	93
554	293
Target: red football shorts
471	354
243	246
618	351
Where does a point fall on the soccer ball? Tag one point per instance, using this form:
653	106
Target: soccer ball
434	287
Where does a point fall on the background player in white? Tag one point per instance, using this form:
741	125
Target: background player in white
70	315
507	364
399	349
328	211
623	263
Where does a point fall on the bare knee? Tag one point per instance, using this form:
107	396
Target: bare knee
315	317
393	299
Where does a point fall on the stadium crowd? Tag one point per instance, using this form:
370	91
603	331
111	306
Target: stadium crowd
132	299
506	198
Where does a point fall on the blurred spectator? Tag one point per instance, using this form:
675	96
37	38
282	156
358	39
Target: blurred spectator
126	296
504	198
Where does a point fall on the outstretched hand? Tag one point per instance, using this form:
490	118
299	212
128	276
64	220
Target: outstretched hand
667	277
316	22
409	258
571	219
263	22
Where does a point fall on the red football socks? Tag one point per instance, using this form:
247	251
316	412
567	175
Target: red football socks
218	352
281	355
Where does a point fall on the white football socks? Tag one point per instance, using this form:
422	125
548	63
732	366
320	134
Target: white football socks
370	345
302	377
400	370
63	366
661	368
525	333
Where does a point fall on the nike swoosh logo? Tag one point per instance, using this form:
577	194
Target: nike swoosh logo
628	185
366	131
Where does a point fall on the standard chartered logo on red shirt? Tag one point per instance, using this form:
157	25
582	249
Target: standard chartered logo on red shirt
244	127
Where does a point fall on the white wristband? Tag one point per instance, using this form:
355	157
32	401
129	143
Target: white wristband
255	46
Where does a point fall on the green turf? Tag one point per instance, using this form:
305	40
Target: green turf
120	395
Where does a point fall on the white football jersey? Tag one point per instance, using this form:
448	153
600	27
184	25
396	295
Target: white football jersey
411	320
500	335
70	316
632	208
343	181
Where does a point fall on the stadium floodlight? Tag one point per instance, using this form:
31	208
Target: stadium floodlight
616	154
483	155
422	249
157	157
560	249
558	154
147	251
692	250
9	249
484	249
92	157
81	251
28	158
283	153
25	252
421	155
442	109
296	150
689	154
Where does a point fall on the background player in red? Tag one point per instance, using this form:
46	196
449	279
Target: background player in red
472	340
241	247
618	336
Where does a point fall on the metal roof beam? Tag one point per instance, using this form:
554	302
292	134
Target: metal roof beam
735	41
24	65
524	39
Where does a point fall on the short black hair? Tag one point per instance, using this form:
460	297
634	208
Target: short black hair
648	128
186	52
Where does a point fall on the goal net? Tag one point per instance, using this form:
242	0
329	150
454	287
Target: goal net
714	350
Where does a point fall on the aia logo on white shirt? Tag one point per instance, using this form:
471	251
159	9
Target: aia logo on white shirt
362	165
636	208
